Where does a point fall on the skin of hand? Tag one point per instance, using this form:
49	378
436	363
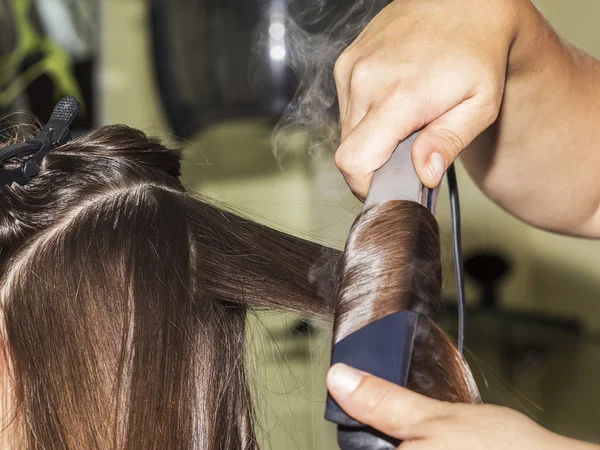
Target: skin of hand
426	424
492	76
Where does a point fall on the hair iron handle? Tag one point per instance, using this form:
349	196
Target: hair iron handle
397	179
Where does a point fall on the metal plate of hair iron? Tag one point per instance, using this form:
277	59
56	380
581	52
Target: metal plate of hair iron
55	132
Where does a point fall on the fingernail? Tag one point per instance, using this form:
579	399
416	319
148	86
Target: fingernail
437	167
344	379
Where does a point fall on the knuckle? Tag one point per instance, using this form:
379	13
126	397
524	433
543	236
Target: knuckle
453	142
374	401
412	74
490	109
343	66
361	75
346	163
341	161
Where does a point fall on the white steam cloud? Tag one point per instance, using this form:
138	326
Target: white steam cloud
310	35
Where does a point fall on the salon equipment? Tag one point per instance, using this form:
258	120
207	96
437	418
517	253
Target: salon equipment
488	270
384	347
32	152
208	67
218	60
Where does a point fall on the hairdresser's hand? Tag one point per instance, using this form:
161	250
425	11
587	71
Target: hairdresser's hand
440	63
423	423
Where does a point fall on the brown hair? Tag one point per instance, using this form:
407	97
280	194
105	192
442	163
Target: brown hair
392	263
124	300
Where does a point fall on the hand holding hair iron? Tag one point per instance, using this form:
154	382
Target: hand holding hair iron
384	348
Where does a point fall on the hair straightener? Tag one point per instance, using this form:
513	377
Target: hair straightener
384	347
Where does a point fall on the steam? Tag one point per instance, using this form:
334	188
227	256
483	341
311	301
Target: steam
307	37
315	33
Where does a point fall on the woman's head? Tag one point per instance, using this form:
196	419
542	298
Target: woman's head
123	302
97	163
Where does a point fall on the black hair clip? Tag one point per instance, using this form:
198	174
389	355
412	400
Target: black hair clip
56	132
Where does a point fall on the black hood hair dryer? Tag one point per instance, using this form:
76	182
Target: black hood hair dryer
384	347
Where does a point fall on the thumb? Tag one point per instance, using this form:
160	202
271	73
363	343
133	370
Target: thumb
440	143
389	408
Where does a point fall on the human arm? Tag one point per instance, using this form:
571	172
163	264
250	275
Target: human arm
492	76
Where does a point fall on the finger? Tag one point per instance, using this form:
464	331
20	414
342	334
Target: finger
394	410
440	143
343	73
344	68
371	143
361	80
355	113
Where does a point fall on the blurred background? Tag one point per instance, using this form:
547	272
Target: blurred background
191	72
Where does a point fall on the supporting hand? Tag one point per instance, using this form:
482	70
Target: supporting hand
427	424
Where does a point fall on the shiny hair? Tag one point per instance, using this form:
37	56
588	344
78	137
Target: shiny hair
124	300
392	263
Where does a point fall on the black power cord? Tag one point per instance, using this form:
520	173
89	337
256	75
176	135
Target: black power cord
458	258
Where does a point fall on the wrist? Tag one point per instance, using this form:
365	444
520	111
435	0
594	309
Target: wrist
535	44
529	33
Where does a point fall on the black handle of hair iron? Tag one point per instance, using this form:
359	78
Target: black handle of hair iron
384	347
33	151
